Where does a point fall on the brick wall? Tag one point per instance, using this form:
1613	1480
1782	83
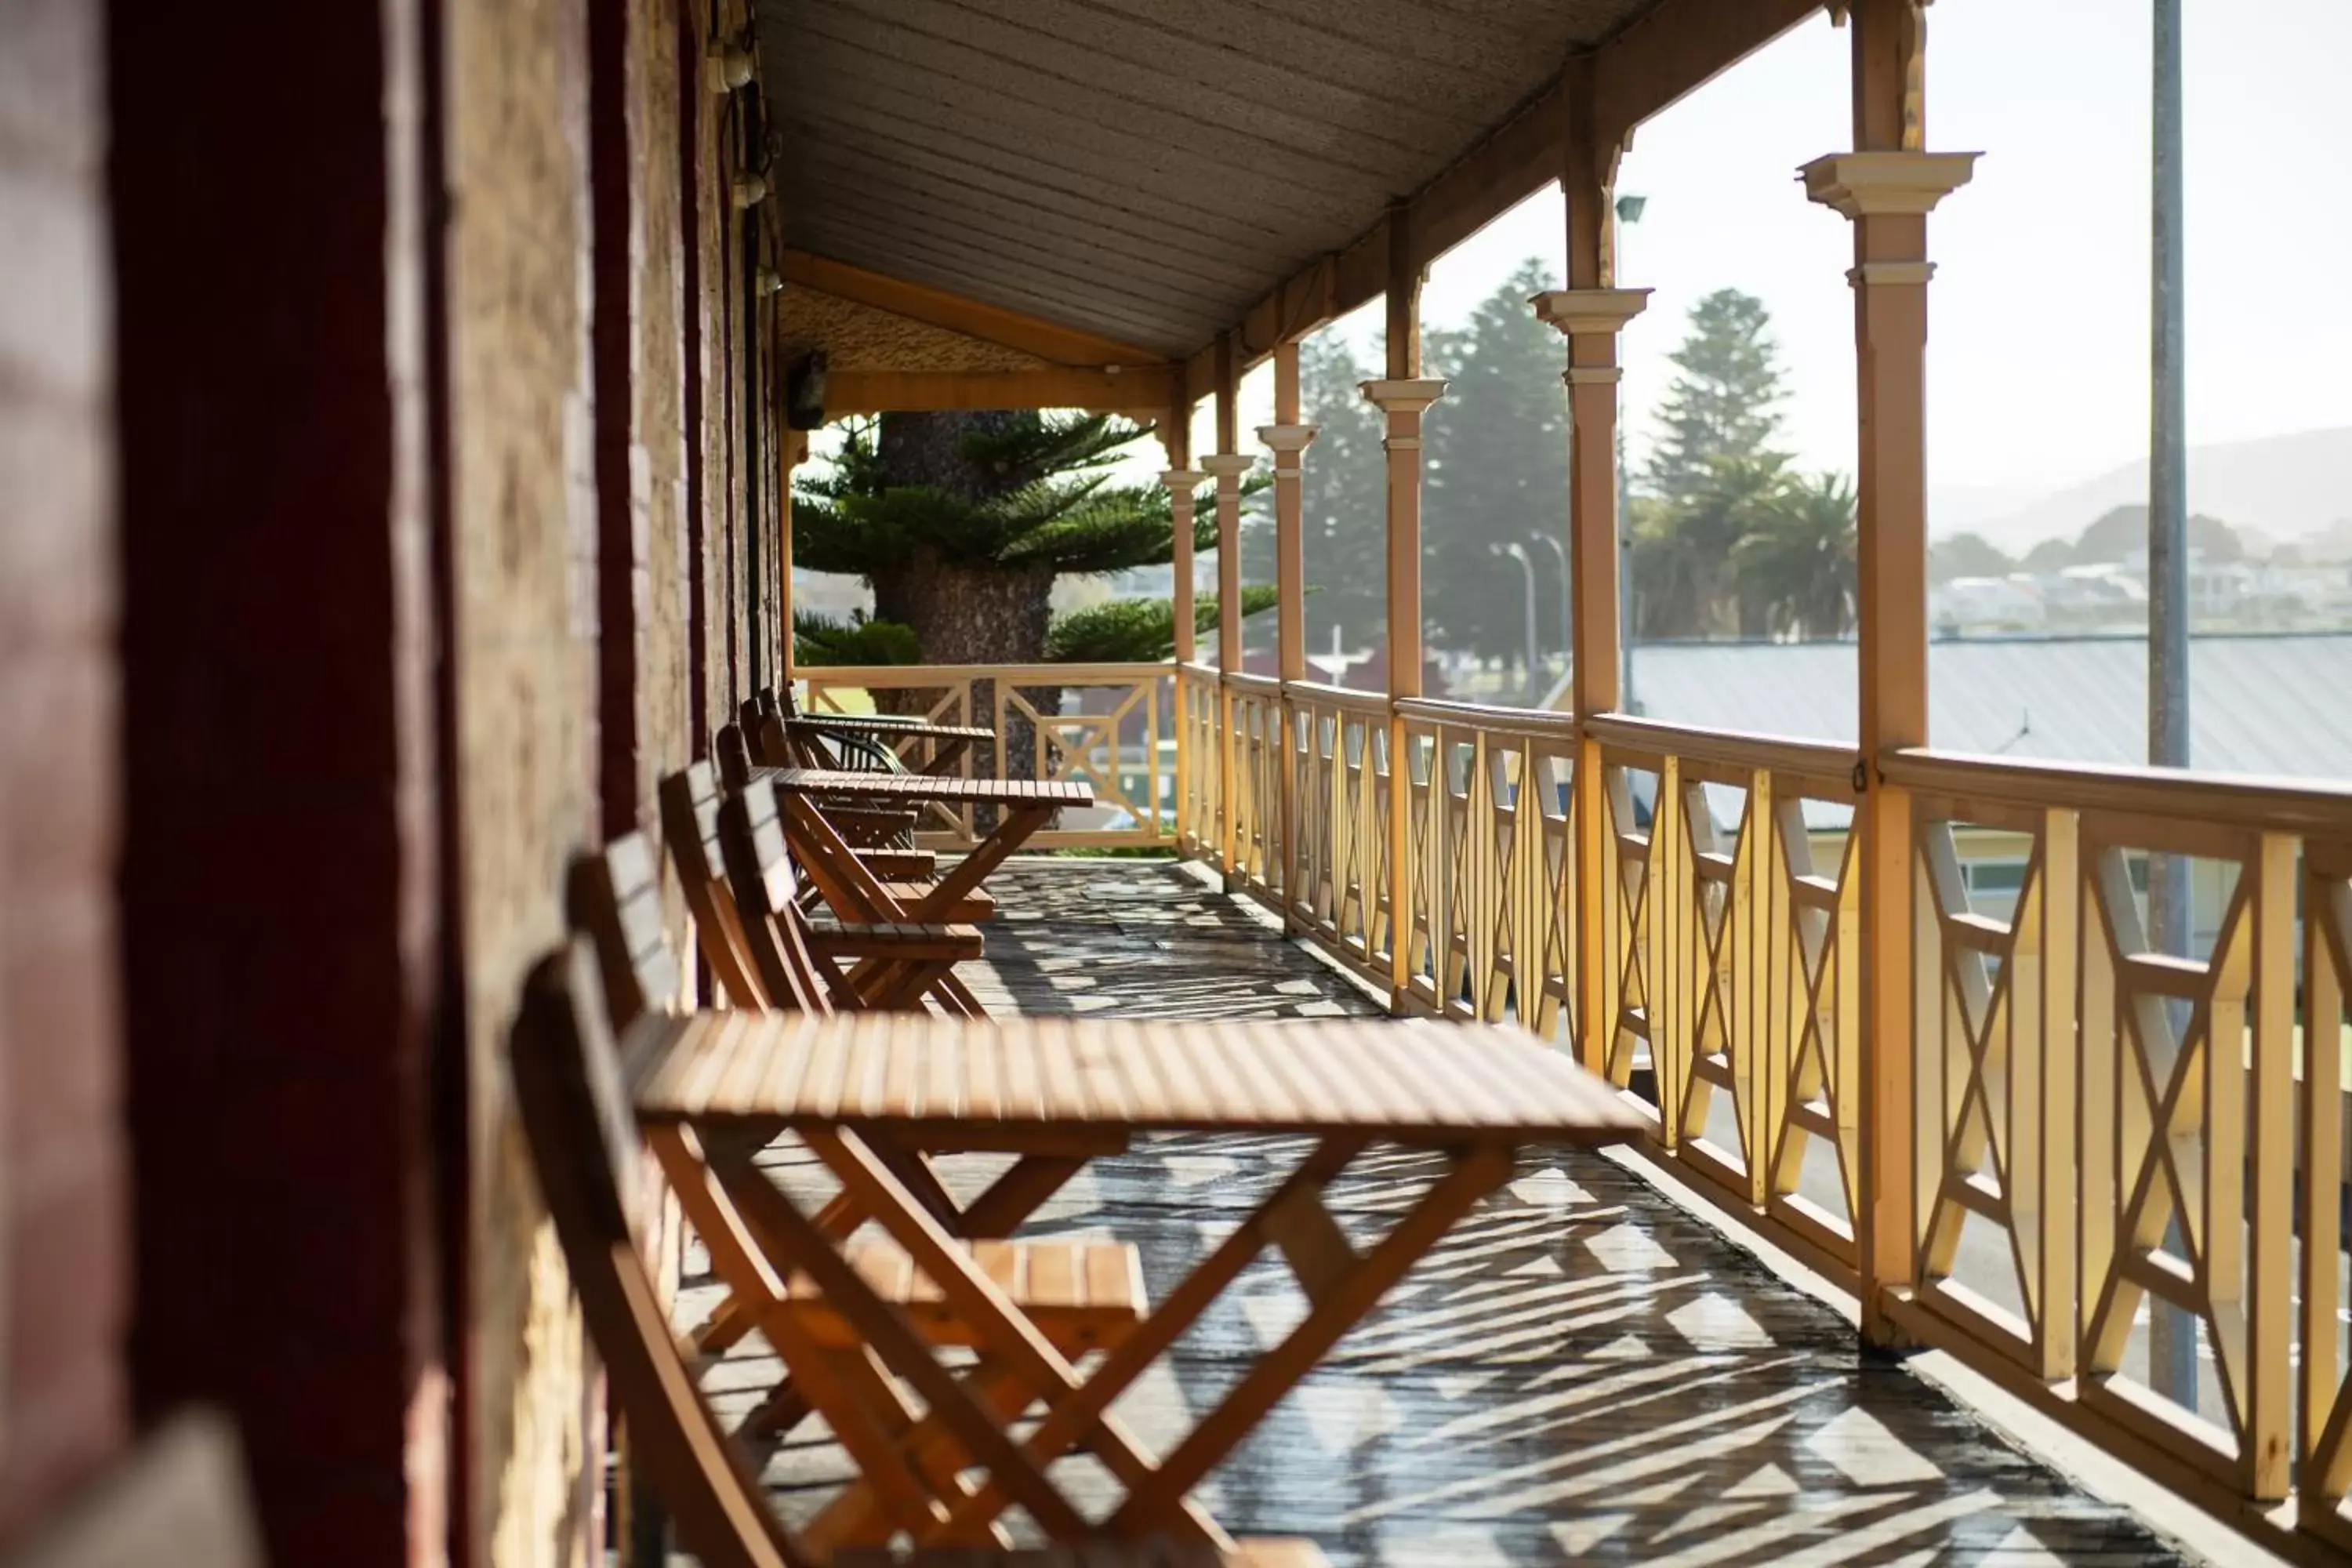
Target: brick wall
278	888
63	1284
665	709
525	617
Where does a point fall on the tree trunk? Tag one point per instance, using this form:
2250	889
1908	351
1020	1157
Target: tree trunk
968	615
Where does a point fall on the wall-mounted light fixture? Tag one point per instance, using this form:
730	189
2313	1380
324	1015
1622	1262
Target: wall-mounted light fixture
770	282
751	190
726	70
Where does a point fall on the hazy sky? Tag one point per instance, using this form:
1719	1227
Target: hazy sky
2038	358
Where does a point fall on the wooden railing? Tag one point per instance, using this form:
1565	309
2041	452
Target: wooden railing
2140	1129
2091	1125
1110	726
1201	729
1338	775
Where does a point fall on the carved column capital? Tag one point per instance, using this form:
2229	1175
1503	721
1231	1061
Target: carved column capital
1887	184
1407	397
1582	313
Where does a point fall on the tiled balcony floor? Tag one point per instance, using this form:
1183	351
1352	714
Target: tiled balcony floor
1583	1372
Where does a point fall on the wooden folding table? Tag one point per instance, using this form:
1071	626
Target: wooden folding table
1475	1094
1024	805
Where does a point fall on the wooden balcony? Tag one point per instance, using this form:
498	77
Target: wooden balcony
1706	959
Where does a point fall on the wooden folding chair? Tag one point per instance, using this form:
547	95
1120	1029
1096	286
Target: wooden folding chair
893	965
570	1087
614	897
690	803
854	822
886	833
856	742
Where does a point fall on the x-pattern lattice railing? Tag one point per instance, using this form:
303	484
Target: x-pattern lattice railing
1106	725
1729	917
2093	1128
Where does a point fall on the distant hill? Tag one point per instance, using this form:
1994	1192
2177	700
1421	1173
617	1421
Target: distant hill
2285	487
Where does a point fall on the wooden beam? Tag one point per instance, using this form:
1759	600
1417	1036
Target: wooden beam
918	391
939	308
1401	330
1677	48
1669	52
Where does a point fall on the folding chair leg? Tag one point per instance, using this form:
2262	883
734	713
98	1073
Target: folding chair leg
851	1518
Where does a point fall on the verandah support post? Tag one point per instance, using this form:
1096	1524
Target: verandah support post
1182	483
1287	439
1887	186
795	451
1591	312
1403	397
1228	465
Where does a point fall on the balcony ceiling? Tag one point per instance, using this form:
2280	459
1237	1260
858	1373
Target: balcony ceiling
1142	169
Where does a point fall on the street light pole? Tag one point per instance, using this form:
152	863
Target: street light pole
1519	552
2172	1333
1567	598
1629	213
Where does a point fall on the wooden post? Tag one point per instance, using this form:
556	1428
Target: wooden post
1182	483
1228	466
1402	397
1887	187
1591	312
795	449
1287	439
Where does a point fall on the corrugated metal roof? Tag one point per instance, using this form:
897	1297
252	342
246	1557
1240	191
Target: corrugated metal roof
2278	705
1145	169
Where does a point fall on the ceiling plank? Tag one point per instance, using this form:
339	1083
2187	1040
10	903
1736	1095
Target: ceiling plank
939	308
911	392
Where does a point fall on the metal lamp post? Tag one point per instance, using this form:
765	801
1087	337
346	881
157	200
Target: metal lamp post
1519	552
1567	598
2172	1333
1629	212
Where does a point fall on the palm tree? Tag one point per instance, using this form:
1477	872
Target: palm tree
1683	547
1796	562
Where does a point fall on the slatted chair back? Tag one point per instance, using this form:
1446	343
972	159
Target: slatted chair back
774	746
748	714
584	1142
690	816
766	890
734	754
180	1497
614	896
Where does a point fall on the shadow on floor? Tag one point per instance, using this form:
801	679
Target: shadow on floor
1581	1373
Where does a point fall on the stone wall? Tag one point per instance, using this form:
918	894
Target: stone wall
523	532
63	1283
665	714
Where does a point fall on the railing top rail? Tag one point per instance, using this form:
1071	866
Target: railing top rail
1536	723
1197	670
1243	680
1329	696
1732	748
918	675
2316	807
